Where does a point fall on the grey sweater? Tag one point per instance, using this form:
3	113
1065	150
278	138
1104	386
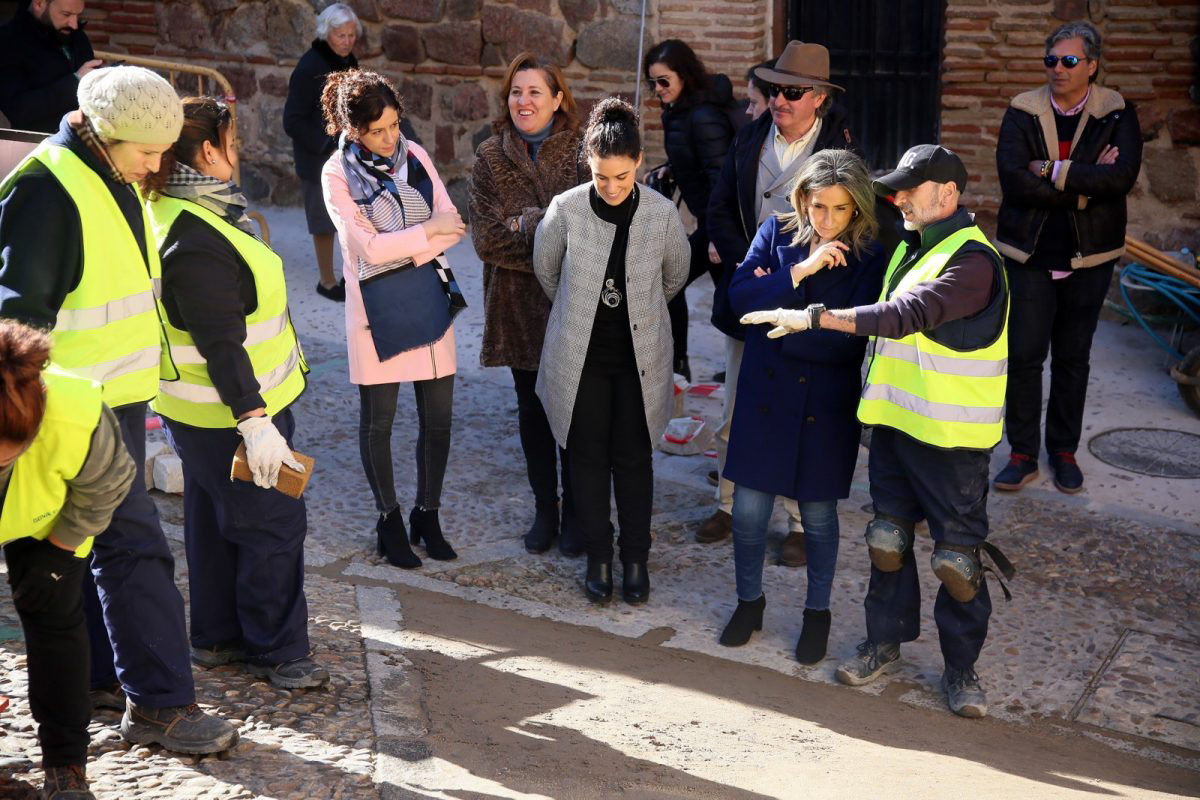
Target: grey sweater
94	494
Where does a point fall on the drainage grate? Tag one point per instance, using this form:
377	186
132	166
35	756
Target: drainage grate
1157	452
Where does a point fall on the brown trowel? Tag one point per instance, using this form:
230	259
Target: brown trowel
290	482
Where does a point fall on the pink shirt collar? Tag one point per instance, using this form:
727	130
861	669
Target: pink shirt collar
1071	111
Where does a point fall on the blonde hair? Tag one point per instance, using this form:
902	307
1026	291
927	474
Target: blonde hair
822	170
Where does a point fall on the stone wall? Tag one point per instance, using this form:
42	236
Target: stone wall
448	56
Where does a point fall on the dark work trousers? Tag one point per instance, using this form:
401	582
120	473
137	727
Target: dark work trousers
377	412
56	657
542	455
677	306
1055	317
245	549
947	488
143	643
608	445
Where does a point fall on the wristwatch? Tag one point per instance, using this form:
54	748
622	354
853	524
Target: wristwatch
814	316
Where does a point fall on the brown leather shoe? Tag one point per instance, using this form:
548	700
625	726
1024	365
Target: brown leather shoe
715	528
791	552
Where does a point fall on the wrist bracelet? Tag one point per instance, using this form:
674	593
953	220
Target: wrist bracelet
1046	168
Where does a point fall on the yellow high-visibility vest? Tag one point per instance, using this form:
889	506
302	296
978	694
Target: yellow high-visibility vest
108	327
271	342
37	487
943	397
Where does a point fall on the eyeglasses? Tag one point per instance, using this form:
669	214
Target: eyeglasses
1070	62
790	93
664	83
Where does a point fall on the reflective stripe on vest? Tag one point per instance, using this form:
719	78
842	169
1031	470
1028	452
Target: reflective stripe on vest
270	342
37	487
108	325
943	397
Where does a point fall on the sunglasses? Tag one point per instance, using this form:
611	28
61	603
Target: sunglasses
664	83
790	93
1070	62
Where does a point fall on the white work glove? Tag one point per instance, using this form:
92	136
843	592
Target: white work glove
266	450
786	320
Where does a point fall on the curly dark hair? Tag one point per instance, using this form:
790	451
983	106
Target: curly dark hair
354	98
683	61
612	130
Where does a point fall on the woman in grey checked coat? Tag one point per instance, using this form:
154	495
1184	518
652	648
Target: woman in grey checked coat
610	254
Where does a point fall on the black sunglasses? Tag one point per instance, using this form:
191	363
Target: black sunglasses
663	82
1070	62
790	93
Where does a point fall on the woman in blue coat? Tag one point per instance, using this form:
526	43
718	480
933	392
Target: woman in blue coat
795	433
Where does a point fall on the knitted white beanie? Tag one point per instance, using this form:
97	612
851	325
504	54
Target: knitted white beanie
131	104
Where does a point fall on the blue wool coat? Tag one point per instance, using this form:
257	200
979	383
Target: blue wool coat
795	430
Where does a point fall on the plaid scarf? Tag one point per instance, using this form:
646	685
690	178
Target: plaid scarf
84	129
223	198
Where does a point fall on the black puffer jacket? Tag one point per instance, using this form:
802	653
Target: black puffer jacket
697	133
302	116
37	72
1092	194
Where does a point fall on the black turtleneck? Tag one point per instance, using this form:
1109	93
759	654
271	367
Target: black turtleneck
612	342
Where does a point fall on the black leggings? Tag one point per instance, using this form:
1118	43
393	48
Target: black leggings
677	308
377	411
542	454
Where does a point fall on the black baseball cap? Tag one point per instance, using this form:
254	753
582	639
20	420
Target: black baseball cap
924	162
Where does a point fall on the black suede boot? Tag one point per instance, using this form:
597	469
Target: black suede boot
814	636
635	583
391	540
425	525
747	618
544	529
570	544
598	585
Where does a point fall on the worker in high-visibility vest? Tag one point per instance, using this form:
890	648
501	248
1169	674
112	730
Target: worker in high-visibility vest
63	470
934	396
229	332
77	256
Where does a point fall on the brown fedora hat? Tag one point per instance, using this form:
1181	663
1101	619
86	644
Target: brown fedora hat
800	64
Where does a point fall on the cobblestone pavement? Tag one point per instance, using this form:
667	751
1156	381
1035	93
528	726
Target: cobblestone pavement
1102	636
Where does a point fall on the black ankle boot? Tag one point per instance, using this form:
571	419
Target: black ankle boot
635	583
746	619
569	542
598	584
391	540
814	636
544	529
425	525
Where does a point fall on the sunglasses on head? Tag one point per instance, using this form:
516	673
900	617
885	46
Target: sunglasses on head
665	83
790	93
1070	62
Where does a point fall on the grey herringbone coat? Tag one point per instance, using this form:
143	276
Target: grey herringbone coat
570	254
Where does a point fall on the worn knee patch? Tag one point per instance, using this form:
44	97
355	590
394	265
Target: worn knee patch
887	542
959	569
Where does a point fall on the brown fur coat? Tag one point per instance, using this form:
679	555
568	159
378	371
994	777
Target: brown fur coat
506	186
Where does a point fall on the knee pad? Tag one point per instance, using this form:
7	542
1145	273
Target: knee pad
887	542
960	570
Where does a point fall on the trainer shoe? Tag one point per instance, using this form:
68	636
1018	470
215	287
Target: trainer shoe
66	783
300	673
963	693
220	653
1021	469
871	661
182	729
109	697
1067	475
715	528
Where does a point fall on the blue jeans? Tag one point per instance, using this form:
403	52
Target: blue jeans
751	513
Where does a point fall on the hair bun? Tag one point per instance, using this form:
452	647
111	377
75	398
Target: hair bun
613	109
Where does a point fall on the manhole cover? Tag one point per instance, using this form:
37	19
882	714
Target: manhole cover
1149	451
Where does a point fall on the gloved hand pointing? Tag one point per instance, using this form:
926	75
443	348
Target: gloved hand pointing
787	320
266	450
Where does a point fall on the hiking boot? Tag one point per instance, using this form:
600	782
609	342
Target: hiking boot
220	653
871	661
300	673
109	697
791	552
715	528
1067	475
66	783
1020	470
182	729
963	693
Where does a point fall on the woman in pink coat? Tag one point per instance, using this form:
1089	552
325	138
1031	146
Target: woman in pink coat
395	221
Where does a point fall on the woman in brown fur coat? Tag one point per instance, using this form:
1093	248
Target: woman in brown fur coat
533	156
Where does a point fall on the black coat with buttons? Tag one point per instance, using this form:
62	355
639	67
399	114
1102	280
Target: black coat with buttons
795	425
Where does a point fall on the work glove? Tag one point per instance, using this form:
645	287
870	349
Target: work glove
43	572
266	450
786	320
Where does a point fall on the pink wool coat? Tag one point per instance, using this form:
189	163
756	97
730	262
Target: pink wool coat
357	239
